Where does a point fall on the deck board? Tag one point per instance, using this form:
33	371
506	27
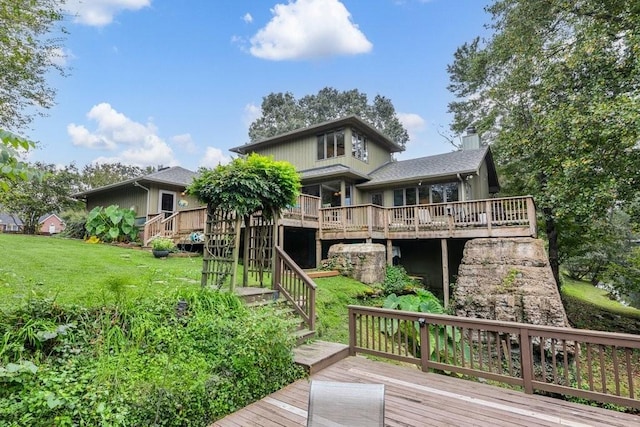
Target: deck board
415	398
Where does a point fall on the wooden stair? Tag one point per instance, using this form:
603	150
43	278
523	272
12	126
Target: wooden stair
317	355
262	296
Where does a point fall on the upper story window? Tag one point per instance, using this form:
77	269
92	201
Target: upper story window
359	148
331	144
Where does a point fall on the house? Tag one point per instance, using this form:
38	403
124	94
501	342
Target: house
51	224
158	193
10	223
423	210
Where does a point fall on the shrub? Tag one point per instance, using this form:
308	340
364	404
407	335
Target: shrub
112	224
163	244
183	359
396	281
75	224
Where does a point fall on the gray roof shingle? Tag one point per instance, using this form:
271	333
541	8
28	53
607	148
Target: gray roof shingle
440	165
176	175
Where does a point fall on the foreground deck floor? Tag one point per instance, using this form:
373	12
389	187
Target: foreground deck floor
415	398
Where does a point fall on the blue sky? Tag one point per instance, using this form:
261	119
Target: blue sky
165	82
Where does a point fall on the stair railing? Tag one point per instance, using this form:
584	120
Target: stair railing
296	287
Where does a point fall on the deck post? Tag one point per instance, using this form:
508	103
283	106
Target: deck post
489	215
318	249
531	214
245	255
445	272
526	361
352	332
389	252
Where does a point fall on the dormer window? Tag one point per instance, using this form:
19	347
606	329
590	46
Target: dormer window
359	148
331	144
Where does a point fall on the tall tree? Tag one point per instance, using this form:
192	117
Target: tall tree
30	46
101	174
282	112
30	199
28	51
555	88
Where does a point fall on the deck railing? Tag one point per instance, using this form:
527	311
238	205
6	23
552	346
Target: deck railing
476	218
419	220
296	287
593	365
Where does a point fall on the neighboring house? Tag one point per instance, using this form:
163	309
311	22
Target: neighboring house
10	223
51	224
160	192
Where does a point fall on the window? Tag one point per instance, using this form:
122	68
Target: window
359	148
377	199
330	144
426	194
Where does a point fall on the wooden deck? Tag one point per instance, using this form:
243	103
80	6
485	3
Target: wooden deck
415	398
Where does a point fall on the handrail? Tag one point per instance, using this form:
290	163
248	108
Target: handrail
600	366
151	229
296	286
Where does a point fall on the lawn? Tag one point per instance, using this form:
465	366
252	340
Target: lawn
589	307
72	271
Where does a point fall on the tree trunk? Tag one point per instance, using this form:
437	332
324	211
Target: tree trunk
552	237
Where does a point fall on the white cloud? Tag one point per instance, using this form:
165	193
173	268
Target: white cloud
247	18
309	29
251	113
184	142
99	13
213	157
413	123
135	143
60	56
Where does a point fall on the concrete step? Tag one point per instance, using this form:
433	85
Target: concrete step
317	355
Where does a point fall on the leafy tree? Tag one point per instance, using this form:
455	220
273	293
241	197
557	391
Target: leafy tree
30	44
281	113
99	175
11	168
624	276
32	198
555	88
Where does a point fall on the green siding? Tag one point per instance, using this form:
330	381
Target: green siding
128	197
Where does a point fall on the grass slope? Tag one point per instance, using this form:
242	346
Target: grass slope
73	271
589	307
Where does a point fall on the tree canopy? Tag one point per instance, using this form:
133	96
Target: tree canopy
282	112
48	193
30	45
247	185
99	175
28	51
555	89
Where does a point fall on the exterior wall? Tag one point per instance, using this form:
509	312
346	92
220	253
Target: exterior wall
125	197
53	220
302	154
154	197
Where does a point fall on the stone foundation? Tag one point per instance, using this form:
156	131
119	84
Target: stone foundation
364	262
508	279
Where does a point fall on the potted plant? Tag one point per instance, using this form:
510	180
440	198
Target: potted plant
162	246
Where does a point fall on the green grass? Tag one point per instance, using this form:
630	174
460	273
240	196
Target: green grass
589	307
72	271
333	296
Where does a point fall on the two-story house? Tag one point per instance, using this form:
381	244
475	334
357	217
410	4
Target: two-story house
423	210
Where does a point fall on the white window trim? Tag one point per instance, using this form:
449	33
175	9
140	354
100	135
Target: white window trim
175	199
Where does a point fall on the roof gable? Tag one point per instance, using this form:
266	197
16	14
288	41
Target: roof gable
352	121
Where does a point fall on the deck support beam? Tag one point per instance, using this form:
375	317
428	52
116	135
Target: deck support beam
318	249
445	272
389	252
